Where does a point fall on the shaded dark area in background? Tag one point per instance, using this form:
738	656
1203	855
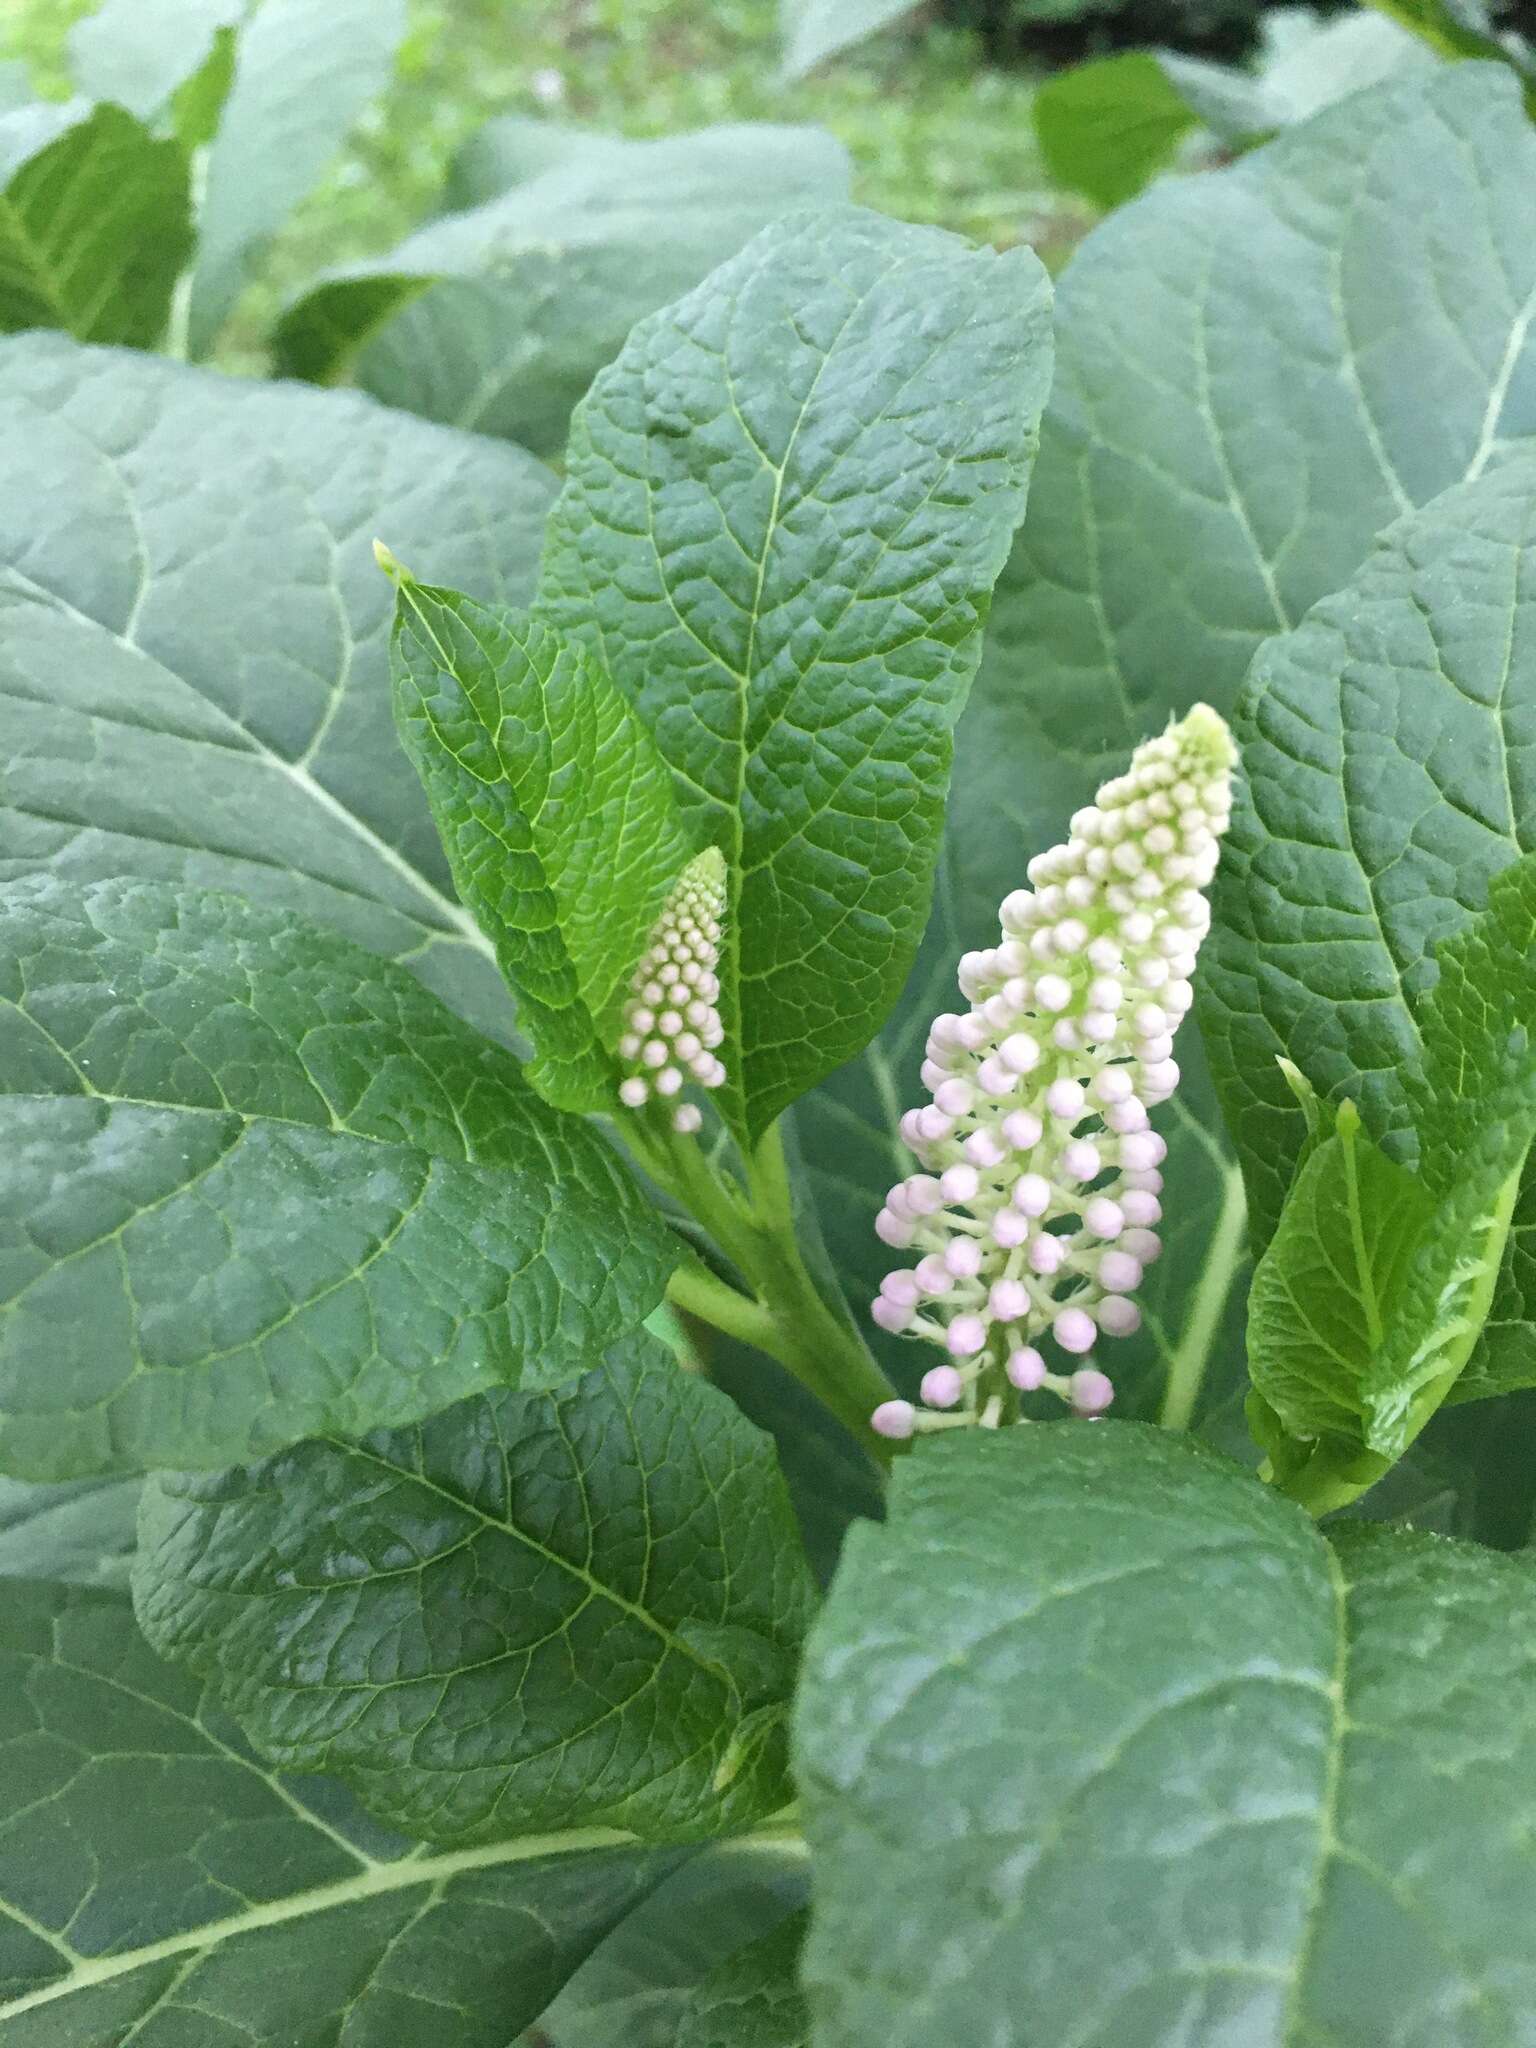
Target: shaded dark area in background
1040	31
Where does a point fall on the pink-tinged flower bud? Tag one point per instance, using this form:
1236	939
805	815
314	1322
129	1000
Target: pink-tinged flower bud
1092	1392
1065	1099
688	1120
942	1386
954	1096
660	1035
900	1286
933	1276
1117	1316
891	1230
983	1149
1032	1194
966	1336
1075	1330
1141	1150
1127	1116
1009	1300
1112	1085
1019	1052
1047	1255
894	1316
1119	1271
1104	1217
924	1196
1023	1129
963	1257
911	1136
933	1126
669	1081
932	1074
633	1092
1080	1160
1141	1209
895	1419
959	1183
1010	1229
1144	1245
1026	1369
1148	1179
1052	992
995	1078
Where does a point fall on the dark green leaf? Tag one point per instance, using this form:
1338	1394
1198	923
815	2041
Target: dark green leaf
78	1534
163	1888
633	1991
498	317
260	1185
1101	1742
533	1612
302	76
194	639
752	2000
557	813
1107	128
785	507
95	223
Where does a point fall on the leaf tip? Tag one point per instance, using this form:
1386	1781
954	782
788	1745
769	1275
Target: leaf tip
395	570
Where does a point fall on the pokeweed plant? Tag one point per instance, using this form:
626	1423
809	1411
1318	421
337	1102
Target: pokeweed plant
473	1673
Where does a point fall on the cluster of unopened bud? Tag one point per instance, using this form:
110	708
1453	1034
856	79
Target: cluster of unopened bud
1035	1214
671	1025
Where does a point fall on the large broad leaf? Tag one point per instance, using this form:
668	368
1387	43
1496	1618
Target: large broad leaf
1102	1743
139	53
814	29
161	1886
557	812
497	317
647	1974
78	1534
260	1184
534	1612
753	1999
1388	780
194	639
1246	392
302	76
95	223
1306	65
785	508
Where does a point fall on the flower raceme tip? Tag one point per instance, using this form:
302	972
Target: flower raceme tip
1035	1213
671	1025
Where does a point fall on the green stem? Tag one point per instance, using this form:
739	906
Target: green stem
784	1314
1191	1360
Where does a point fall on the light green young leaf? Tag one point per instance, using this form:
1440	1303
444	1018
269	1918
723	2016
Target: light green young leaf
1107	128
498	316
302	76
1306	65
139	53
753	1999
194	670
785	507
816	29
557	813
533	1612
261	1185
1102	1742
95	223
162	1887
1332	1280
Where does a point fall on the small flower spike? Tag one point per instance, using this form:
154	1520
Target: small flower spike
671	1026
1035	1213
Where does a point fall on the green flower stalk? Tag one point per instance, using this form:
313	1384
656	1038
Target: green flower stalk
671	1023
1036	1212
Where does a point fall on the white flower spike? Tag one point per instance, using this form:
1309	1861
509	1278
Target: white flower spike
671	1025
1035	1214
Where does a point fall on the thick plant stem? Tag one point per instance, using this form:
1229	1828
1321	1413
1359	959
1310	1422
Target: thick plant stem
1190	1361
785	1314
